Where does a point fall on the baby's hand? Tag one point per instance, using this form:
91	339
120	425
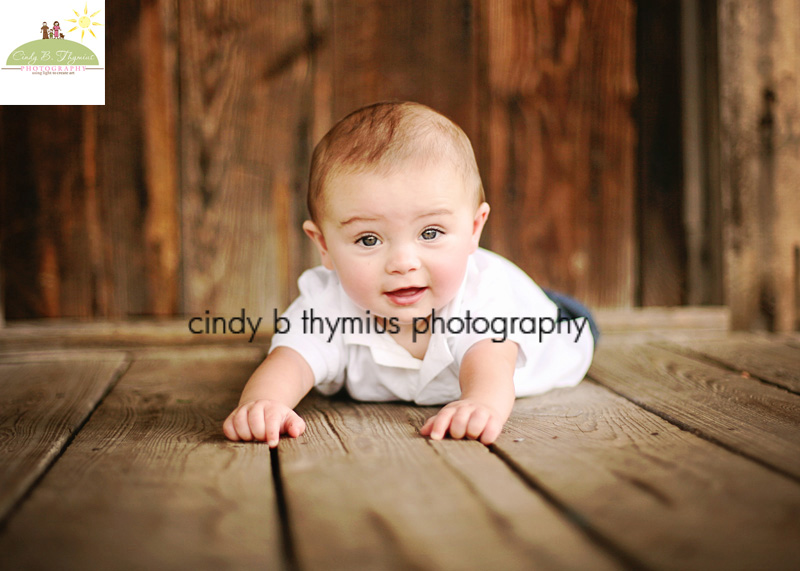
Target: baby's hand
465	418
263	420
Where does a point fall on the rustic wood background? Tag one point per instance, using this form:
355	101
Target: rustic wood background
186	191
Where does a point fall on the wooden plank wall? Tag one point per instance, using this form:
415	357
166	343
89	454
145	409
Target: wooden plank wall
185	192
80	200
246	74
659	172
557	142
702	208
760	160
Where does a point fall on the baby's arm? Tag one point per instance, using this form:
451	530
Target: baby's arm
487	395
265	407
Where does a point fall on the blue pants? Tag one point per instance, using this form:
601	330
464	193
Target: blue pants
571	309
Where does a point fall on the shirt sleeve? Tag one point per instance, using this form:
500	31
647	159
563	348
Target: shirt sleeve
323	352
490	302
550	354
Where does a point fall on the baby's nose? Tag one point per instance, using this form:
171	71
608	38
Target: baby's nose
402	259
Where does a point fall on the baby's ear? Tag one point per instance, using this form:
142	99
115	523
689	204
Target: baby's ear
478	222
313	232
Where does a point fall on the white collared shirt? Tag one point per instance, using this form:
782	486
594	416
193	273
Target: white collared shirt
374	367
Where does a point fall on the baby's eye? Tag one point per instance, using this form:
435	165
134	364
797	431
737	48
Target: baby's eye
369	240
430	234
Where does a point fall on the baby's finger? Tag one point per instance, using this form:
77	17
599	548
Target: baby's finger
426	428
272	429
493	429
228	430
477	423
255	419
294	424
458	426
441	423
241	425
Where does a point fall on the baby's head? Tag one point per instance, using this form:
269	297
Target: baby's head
384	137
396	207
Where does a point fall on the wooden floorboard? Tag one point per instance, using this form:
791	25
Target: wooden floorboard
683	454
754	418
365	491
756	355
42	404
151	483
668	499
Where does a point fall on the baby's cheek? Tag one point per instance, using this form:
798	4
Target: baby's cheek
450	275
359	287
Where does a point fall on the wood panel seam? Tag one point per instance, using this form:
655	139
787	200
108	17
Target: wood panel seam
572	516
498	518
118	373
287	540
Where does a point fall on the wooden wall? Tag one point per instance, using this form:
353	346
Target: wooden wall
659	173
557	141
760	157
185	192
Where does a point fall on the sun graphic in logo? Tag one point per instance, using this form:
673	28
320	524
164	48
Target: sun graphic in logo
84	21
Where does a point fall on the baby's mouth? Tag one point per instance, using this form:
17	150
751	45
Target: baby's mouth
406	295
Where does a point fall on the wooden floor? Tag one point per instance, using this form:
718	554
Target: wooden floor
681	450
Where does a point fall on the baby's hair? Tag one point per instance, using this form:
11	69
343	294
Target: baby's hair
382	137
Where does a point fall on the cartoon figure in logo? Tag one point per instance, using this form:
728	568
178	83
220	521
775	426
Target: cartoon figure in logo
56	29
51	34
45	28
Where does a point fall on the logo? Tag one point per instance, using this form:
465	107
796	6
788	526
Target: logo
61	59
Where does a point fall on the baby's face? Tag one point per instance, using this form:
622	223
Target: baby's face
399	242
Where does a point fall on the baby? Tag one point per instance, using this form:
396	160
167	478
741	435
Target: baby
397	209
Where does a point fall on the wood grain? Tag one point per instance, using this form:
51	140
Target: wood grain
580	478
3	207
245	99
42	404
90	223
365	491
186	191
415	50
702	212
150	482
760	160
559	142
761	357
45	274
756	419
116	187
523	514
668	499
159	109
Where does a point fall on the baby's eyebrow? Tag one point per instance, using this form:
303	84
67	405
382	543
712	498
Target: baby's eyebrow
441	212
352	219
357	219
